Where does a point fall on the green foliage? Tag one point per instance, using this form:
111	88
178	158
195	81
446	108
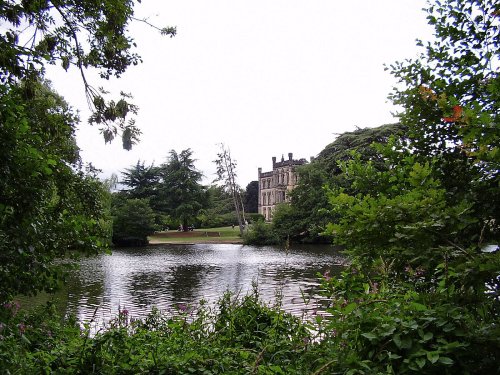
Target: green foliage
214	221
261	234
79	34
238	336
49	206
405	217
381	326
422	293
251	200
361	141
142	181
307	217
451	97
180	194
133	221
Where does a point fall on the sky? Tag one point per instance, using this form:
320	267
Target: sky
263	77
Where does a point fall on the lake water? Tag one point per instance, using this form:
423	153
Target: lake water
167	276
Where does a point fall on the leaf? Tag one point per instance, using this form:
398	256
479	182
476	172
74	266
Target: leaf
417	306
446	361
432	357
394	356
397	340
350	307
370	336
420	362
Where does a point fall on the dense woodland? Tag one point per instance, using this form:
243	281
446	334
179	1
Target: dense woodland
415	206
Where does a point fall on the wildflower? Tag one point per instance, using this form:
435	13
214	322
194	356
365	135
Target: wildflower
182	307
326	275
419	272
13	307
22	328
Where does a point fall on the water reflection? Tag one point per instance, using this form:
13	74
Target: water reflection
167	275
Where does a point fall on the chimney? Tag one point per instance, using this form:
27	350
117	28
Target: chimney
260	171
290	156
274	161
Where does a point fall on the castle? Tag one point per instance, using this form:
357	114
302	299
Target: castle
275	186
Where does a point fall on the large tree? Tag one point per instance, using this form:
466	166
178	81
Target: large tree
141	180
424	232
450	97
181	194
49	206
251	200
307	216
80	34
48	203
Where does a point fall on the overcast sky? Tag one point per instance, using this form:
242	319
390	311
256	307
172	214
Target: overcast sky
264	77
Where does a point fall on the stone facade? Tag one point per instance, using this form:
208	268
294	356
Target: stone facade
275	186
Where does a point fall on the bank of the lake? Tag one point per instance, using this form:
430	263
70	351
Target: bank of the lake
222	235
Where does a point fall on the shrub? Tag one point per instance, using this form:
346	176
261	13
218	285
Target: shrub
260	234
133	222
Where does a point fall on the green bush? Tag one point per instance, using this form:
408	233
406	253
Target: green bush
133	221
238	336
260	234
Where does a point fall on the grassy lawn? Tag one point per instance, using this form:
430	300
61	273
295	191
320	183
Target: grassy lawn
205	235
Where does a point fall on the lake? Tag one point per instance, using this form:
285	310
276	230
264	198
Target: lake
168	276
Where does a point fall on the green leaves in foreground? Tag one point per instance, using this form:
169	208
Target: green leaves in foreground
372	327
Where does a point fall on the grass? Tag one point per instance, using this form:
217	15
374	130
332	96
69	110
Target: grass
215	235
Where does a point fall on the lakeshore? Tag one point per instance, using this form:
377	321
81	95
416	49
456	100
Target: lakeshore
222	235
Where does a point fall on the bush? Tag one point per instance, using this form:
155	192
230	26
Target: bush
261	234
239	336
133	222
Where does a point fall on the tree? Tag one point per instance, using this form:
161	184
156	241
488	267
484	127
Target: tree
307	217
361	141
219	211
251	200
416	229
424	231
133	221
141	180
450	97
180	193
50	207
83	34
437	200
226	171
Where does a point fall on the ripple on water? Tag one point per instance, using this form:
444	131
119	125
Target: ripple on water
169	275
